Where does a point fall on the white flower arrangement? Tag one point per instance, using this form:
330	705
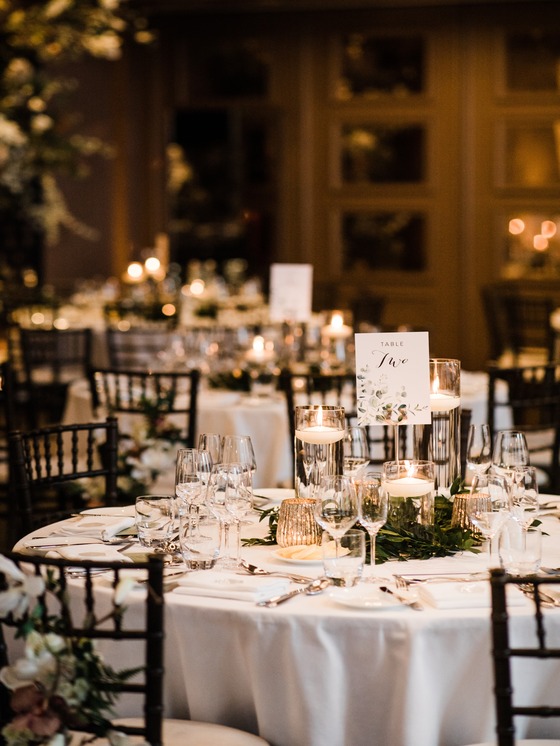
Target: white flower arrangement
55	685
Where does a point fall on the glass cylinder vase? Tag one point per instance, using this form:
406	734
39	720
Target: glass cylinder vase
318	446
410	488
440	441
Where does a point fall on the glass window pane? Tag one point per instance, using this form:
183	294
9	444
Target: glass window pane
374	65
237	70
532	243
533	61
532	154
384	240
382	154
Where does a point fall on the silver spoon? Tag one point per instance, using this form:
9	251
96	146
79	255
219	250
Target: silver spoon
311	589
254	570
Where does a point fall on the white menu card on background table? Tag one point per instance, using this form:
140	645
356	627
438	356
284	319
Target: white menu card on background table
393	378
291	291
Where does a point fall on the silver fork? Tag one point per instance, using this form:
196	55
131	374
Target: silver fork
254	570
404	581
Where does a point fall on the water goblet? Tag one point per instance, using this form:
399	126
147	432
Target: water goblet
489	507
356	451
200	544
479	449
223	479
336	506
373	504
192	468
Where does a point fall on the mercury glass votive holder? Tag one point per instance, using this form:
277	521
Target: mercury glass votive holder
296	523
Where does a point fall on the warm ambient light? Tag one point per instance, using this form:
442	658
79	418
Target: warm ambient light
516	226
135	271
152	265
548	229
168	309
540	243
197	287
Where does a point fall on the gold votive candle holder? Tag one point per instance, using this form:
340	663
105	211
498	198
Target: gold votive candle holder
296	523
459	514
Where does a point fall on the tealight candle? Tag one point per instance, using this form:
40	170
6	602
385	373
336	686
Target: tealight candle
337	329
259	353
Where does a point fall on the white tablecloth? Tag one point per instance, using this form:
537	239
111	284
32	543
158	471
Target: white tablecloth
313	673
227	413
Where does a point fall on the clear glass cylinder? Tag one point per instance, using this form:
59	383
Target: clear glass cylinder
318	446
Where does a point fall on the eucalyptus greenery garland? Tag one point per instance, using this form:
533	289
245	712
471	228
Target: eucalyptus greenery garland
415	542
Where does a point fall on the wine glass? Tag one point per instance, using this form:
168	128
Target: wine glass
238	499
372	507
510	452
336	506
211	442
489	506
192	470
221	479
525	496
238	449
479	449
356	451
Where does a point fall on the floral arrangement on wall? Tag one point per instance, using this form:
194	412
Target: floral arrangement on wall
39	139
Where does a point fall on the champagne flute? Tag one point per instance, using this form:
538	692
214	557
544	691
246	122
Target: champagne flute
479	449
372	507
510	452
489	507
336	506
356	451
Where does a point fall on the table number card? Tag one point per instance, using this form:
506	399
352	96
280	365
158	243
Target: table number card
291	289
393	378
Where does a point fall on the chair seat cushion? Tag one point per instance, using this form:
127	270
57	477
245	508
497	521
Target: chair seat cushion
181	732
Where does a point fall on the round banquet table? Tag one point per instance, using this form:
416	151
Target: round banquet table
311	672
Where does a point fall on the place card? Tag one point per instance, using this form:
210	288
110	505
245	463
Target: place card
291	292
393	378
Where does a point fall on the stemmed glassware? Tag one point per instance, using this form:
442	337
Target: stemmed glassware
356	451
238	449
525	496
211	442
479	449
373	504
336	506
510	452
192	472
489	507
229	496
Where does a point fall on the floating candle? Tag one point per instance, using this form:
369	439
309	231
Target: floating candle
443	402
337	329
259	352
320	434
408	486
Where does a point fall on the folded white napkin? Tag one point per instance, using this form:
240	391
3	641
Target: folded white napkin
464	595
229	585
98	526
100	552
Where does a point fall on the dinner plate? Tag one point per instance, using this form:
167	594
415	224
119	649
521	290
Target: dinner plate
317	560
272	495
367	599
